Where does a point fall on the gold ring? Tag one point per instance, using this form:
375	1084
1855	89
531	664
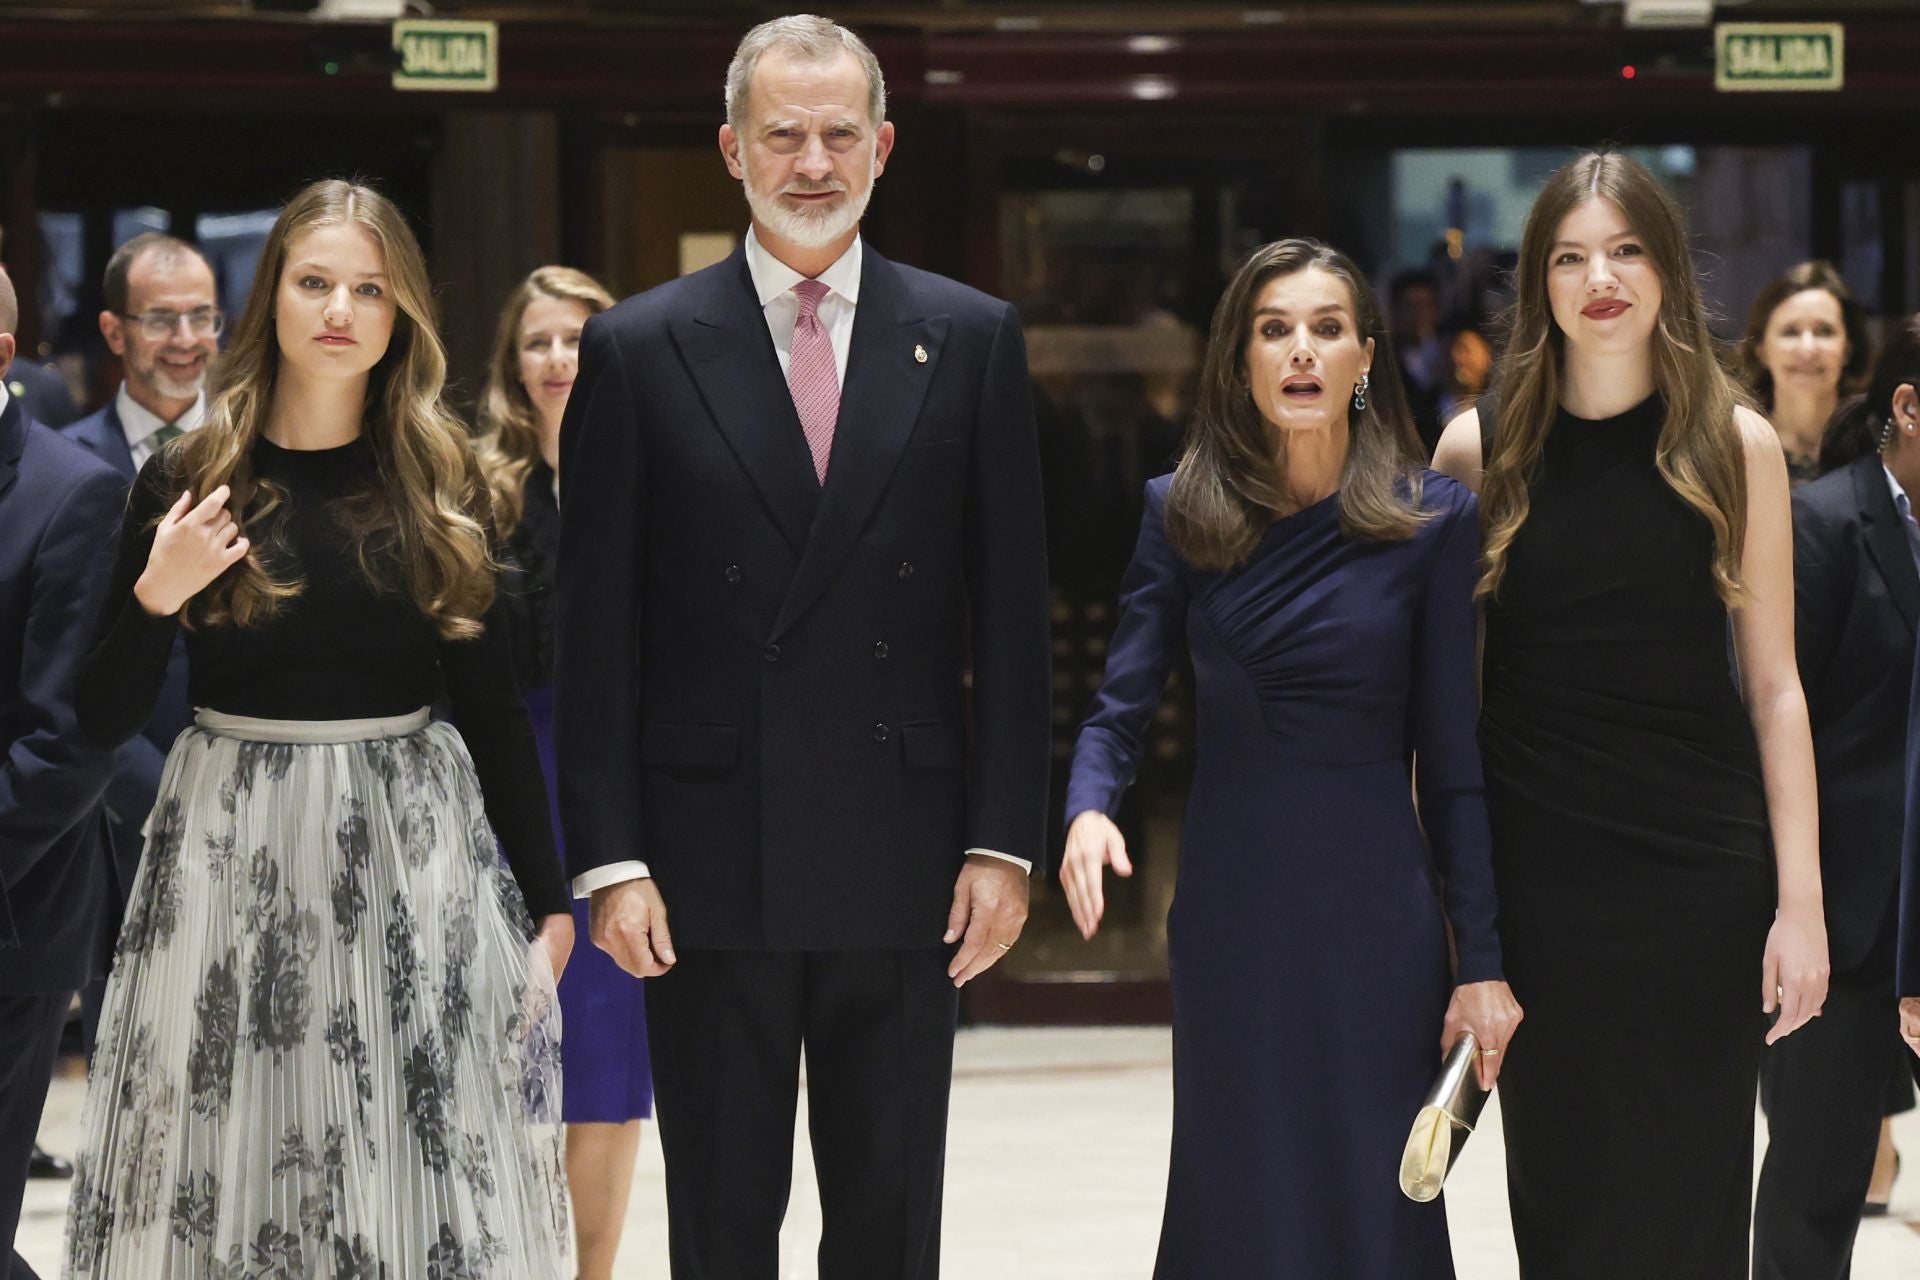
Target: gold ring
1489	1053
1004	946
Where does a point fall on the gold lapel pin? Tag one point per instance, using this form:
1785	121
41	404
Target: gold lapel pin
919	354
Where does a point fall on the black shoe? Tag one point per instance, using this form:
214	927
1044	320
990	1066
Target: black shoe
43	1165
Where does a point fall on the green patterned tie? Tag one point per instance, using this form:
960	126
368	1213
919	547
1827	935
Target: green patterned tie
169	432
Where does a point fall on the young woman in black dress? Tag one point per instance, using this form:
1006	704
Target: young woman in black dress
1655	844
328	1046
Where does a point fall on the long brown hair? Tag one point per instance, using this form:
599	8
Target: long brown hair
510	433
423	527
1699	452
1231	480
1817	274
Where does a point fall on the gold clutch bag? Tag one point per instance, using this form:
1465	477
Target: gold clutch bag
1441	1128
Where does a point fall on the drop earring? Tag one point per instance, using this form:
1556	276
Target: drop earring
1360	395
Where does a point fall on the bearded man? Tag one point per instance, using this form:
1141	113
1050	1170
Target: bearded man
803	687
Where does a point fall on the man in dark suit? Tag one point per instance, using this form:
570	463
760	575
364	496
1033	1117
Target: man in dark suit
43	393
1826	1088
163	320
59	510
803	678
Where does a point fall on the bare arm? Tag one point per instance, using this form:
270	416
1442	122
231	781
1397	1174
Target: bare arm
1459	451
1763	633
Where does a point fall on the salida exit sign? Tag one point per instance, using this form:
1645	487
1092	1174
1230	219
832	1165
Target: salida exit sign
447	55
1771	56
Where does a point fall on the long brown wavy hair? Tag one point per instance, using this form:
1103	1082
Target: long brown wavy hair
1231	481
423	527
510	431
1816	274
1699	451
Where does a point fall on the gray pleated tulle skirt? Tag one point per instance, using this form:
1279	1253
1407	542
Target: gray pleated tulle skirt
328	1051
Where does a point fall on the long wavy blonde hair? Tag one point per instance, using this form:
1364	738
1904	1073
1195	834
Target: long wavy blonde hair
423	527
1699	452
509	428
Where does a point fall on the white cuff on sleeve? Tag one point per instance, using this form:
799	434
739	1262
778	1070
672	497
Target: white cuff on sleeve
613	873
1021	863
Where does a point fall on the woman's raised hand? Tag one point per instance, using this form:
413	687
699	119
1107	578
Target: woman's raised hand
193	545
1093	843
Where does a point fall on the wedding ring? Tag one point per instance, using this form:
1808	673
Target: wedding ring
1489	1053
1004	946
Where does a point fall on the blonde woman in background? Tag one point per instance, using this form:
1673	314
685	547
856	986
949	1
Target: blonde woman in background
328	1047
609	1088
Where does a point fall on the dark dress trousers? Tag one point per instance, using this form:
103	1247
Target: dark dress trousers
1825	1087
59	509
139	760
800	704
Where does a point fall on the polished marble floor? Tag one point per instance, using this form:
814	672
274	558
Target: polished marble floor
1056	1164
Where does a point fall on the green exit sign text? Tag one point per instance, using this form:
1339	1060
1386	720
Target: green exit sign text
1770	56
461	56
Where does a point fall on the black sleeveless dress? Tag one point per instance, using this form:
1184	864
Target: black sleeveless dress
1634	869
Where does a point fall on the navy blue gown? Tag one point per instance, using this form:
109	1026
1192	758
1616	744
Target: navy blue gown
1307	938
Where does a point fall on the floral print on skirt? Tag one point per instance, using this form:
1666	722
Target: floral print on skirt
328	1049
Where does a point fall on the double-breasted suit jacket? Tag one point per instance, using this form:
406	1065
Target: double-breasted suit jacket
800	704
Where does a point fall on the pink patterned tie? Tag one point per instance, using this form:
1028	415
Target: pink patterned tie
812	377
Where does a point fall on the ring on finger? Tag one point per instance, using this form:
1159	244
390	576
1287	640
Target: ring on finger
1004	946
1489	1053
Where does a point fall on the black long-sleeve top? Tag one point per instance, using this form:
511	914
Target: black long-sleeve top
341	650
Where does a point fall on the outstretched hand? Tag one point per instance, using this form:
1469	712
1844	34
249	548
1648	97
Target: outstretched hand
1093	844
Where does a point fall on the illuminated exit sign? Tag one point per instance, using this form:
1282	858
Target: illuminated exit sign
446	55
1774	56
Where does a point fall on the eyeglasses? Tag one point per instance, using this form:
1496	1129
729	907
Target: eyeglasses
157	326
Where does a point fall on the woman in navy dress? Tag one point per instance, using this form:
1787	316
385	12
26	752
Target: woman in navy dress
608	1082
1322	583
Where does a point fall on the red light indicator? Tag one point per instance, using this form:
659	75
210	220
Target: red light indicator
1627	72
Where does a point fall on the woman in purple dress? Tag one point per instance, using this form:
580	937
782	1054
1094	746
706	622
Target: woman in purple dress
608	1085
1322	583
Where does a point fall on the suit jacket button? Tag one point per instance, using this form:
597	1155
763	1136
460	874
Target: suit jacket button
771	654
880	650
906	570
733	573
881	733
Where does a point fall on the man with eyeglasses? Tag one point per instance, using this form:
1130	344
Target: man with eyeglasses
163	320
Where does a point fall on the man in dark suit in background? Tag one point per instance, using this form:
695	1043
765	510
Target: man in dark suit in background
1856	579
163	320
800	507
59	511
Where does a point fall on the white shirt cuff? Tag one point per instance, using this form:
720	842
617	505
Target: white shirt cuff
1021	863
613	873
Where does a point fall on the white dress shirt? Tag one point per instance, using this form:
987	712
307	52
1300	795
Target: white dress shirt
140	424
773	282
4	397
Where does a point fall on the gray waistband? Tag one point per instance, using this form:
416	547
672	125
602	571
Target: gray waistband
310	731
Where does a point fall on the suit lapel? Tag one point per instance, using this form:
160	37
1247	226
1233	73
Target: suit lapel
13	441
725	344
879	405
107	437
1887	537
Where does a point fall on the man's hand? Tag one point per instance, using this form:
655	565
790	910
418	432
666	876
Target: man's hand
989	910
628	921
